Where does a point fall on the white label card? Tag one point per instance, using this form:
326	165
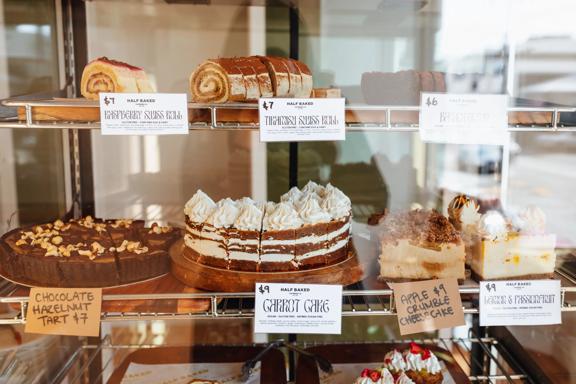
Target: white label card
298	308
301	119
143	113
520	302
464	118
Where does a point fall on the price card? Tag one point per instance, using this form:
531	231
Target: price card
64	311
301	119
529	302
425	306
298	308
464	118
143	113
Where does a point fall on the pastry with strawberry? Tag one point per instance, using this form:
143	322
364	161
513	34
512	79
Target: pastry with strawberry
422	366
375	376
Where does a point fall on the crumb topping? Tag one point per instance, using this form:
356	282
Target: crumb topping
421	227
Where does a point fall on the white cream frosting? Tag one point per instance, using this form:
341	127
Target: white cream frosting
385	378
311	187
336	203
532	221
394	361
282	217
224	215
414	362
202	208
198	196
469	214
403	379
249	219
305	198
240	203
311	213
226	201
293	195
493	225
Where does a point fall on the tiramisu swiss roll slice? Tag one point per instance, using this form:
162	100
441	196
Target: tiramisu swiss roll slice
312	237
339	207
307	81
294	77
217	81
278	239
105	75
264	81
279	74
250	78
197	210
420	245
244	239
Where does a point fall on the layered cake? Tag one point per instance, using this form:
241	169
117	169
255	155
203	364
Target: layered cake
308	228
508	248
416	365
106	75
419	245
86	252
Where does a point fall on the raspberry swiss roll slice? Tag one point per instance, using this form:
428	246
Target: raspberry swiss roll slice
105	75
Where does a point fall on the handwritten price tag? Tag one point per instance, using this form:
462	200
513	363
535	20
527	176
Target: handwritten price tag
64	311
425	306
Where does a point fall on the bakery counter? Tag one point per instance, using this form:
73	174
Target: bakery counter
85	114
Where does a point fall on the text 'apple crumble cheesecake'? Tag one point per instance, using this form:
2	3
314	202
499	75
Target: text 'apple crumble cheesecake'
309	228
502	248
87	252
419	245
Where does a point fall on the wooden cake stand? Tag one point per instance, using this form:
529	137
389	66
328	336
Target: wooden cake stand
191	273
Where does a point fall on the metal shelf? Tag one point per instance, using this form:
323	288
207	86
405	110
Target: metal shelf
493	364
356	301
364	118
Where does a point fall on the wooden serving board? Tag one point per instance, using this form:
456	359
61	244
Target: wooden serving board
165	284
201	276
89	111
273	365
307	371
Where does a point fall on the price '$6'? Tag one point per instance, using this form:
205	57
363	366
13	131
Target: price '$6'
431	101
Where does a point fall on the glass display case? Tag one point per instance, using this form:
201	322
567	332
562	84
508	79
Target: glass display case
179	230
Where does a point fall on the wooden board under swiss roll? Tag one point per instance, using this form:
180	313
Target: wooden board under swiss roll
208	278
